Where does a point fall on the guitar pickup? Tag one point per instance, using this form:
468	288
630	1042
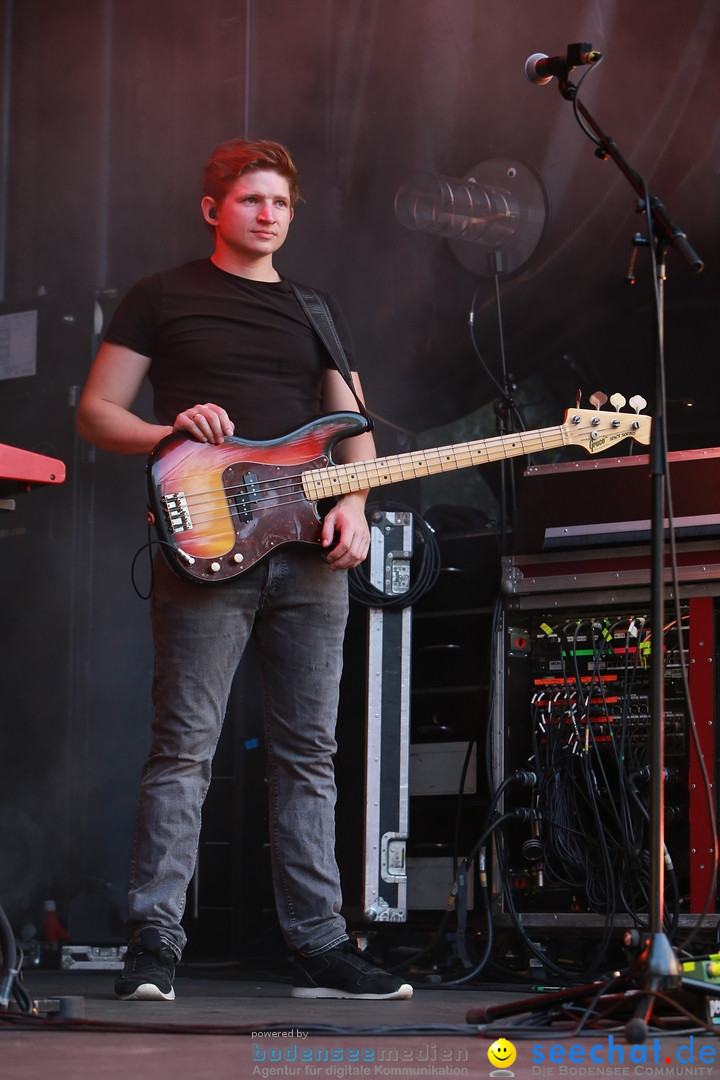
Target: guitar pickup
175	509
245	497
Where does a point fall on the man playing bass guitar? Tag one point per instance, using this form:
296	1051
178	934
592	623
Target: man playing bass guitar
227	347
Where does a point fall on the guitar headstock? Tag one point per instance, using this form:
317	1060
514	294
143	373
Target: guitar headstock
597	431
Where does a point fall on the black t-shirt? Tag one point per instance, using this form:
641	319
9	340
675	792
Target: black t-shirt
245	345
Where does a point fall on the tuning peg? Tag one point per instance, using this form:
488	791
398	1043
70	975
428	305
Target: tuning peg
617	401
598	399
637	403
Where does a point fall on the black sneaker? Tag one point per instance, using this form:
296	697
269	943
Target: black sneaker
149	969
343	972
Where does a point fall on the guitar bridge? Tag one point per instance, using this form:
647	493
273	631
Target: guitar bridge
175	509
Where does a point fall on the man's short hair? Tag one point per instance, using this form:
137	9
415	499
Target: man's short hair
231	159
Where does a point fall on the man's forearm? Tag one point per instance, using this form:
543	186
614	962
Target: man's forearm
113	428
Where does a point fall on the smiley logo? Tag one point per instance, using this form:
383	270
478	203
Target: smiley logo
502	1054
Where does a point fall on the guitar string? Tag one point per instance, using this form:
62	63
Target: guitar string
270	491
276	492
284	491
383	468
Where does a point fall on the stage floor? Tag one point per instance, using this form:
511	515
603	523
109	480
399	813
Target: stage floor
223	1025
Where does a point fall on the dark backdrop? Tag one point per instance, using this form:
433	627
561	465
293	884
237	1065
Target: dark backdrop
109	109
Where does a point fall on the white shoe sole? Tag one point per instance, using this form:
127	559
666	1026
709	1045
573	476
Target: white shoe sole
148	992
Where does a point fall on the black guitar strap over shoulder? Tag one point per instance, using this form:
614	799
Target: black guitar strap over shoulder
316	308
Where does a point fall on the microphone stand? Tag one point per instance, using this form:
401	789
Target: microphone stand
656	962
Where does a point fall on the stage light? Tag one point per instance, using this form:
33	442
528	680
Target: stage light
494	217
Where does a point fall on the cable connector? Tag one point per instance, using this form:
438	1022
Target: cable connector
525	777
6	986
482	868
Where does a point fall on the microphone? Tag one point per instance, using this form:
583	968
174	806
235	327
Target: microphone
540	68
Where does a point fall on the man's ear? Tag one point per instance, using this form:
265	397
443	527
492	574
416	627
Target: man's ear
209	209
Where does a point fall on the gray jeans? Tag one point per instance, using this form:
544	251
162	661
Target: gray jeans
296	609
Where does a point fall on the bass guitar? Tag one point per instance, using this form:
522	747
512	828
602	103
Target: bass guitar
219	509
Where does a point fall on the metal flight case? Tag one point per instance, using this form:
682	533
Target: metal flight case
376	743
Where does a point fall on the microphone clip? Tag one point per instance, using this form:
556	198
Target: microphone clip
540	69
579	54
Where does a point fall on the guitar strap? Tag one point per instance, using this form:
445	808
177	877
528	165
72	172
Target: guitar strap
316	308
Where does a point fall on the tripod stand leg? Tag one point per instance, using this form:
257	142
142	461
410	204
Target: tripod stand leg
636	1030
533	1004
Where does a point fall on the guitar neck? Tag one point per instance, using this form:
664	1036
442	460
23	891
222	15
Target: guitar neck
359	475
